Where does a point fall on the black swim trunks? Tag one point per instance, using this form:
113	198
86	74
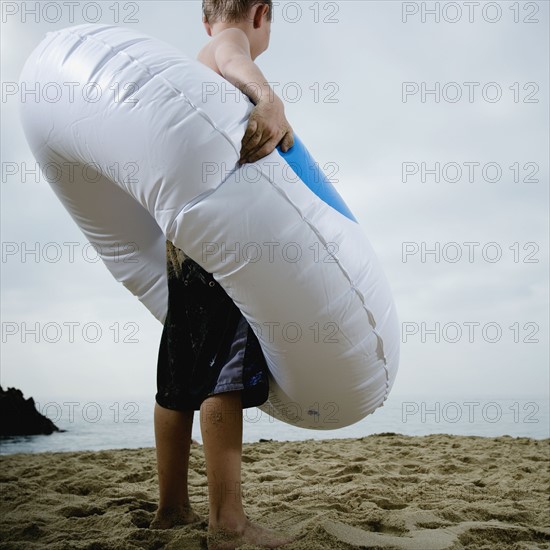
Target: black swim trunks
207	346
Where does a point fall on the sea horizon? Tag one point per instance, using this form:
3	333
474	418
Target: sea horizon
118	423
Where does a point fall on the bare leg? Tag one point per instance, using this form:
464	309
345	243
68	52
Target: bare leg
222	429
173	441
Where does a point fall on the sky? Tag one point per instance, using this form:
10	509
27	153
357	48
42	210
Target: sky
435	126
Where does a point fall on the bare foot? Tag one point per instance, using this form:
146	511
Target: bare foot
169	517
222	539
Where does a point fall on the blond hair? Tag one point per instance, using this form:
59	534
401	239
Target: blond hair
231	11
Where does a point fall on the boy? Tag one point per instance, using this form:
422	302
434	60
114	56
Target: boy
209	358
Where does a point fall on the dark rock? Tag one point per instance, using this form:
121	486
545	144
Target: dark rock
18	416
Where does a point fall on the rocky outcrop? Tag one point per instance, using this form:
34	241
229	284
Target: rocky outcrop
18	416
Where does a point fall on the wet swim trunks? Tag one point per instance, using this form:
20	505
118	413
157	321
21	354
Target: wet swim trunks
207	346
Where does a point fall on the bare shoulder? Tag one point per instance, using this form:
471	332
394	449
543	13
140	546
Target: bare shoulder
231	40
207	56
223	46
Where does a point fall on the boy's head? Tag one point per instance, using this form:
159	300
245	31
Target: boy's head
233	11
252	16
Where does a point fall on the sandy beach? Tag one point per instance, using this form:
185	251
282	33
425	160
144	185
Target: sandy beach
382	491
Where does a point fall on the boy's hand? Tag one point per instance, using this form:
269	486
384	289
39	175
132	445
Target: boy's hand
267	127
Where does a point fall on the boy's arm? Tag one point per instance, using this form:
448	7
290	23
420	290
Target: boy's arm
267	125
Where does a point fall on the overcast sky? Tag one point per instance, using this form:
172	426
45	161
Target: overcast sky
357	54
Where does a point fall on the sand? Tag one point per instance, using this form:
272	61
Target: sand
382	491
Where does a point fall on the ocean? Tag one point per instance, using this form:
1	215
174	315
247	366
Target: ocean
128	423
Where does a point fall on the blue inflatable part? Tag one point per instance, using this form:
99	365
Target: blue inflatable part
308	170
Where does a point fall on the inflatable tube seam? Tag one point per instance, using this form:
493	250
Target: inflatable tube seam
380	347
169	85
195	201
166	82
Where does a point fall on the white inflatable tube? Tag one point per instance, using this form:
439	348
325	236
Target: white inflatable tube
140	143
